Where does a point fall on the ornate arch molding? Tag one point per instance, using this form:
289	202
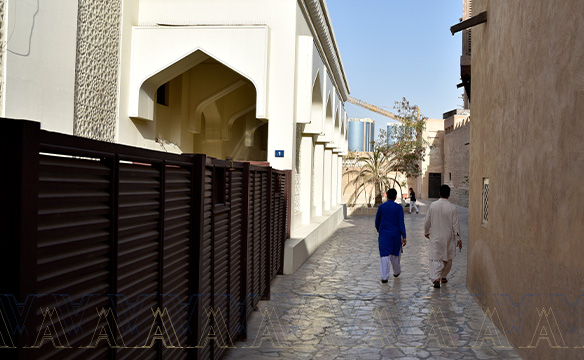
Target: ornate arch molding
157	57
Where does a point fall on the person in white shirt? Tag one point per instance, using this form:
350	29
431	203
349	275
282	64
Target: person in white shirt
442	227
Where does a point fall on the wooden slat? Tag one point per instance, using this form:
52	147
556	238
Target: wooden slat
72	255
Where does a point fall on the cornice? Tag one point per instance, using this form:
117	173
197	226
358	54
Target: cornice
316	14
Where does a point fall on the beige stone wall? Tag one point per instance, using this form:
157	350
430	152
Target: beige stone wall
456	157
527	131
348	188
433	160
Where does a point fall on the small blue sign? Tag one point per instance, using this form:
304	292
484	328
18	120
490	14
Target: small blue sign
279	153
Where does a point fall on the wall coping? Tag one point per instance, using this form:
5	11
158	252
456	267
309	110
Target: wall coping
316	14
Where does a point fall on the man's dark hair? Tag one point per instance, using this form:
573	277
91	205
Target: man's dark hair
391	194
445	191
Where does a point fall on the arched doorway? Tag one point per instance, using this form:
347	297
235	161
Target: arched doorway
208	108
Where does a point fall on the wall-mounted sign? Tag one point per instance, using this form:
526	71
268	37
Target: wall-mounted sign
279	153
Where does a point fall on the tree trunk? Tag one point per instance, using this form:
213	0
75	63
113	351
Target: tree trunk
378	197
401	194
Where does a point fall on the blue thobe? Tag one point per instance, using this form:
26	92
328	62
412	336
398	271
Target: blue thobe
389	222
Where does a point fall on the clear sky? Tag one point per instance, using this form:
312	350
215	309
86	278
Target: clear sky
399	48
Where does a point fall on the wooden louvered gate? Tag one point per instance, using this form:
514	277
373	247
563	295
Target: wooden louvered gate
139	239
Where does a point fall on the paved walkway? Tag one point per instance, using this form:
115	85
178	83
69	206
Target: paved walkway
335	307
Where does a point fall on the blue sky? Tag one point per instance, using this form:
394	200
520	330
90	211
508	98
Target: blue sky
396	48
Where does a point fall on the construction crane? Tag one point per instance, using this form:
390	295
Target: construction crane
373	108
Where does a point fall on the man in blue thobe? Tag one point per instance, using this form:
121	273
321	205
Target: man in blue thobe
389	222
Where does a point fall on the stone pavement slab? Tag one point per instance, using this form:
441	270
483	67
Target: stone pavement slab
335	307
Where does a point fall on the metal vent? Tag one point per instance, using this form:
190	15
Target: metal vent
485	219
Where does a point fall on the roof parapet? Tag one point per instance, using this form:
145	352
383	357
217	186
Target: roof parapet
316	14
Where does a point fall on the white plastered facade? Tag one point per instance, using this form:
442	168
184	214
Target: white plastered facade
323	124
242	79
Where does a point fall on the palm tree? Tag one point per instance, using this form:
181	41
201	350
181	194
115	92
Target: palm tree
402	155
371	173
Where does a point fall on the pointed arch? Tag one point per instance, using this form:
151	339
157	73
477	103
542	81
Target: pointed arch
150	67
250	136
226	130
337	126
195	118
315	126
316	113
329	120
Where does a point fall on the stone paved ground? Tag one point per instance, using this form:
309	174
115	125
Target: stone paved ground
335	307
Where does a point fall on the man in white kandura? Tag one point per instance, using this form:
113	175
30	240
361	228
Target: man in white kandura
441	227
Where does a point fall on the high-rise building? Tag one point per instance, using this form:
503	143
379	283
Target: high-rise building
390	131
361	134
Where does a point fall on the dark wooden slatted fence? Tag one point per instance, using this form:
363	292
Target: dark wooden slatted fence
96	226
277	227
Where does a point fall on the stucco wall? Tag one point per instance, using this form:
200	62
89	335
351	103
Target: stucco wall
40	62
281	20
434	158
456	157
527	130
348	189
91	68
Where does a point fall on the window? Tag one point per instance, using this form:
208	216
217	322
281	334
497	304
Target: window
485	219
162	95
449	176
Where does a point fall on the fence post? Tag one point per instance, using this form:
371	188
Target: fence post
197	227
244	250
269	257
114	165
19	217
288	202
161	220
285	217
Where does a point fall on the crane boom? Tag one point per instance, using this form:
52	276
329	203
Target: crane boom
373	108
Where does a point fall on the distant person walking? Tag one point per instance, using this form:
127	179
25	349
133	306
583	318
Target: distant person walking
389	222
413	200
441	227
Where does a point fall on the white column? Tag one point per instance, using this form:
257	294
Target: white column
328	158
306	177
319	178
340	182
335	180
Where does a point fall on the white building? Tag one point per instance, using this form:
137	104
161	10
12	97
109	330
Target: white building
249	80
